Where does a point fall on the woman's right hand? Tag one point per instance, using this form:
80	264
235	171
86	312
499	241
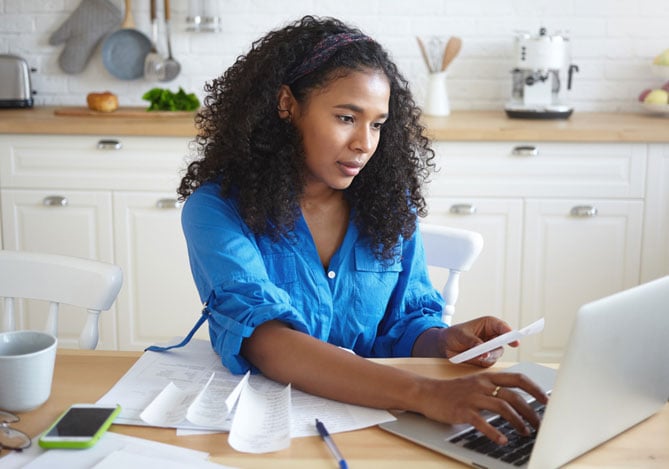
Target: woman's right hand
356	380
461	400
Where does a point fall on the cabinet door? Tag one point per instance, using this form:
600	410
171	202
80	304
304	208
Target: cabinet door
655	261
492	286
75	223
571	258
158	300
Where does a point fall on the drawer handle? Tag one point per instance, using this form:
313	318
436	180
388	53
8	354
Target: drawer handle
463	209
168	203
525	150
583	211
55	201
109	144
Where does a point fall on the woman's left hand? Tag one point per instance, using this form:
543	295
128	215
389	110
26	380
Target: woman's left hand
463	336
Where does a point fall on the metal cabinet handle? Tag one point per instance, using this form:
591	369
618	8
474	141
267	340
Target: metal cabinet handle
55	201
583	211
110	144
463	209
168	203
525	150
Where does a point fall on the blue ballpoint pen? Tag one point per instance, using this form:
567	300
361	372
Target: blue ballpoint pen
331	444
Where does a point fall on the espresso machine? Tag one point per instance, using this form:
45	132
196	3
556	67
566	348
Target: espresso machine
542	63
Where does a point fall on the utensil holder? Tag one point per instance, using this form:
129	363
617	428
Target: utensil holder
436	97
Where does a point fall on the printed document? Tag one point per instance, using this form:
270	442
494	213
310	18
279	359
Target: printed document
112	451
188	388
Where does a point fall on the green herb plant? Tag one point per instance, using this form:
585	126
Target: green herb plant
162	99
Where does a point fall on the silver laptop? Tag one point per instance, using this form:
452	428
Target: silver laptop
614	374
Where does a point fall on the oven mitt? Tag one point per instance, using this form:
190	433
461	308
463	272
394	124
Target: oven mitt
82	31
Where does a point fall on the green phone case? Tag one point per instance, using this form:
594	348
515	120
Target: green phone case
71	444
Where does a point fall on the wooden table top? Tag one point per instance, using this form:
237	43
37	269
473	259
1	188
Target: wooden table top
84	376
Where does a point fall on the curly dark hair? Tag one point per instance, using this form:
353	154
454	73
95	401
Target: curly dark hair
258	158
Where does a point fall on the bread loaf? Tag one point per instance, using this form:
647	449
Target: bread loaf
102	102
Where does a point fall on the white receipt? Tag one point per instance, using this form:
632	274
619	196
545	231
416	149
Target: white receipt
499	341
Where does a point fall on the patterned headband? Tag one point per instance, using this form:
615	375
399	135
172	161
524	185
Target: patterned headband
323	51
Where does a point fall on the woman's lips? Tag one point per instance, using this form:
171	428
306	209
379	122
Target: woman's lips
351	168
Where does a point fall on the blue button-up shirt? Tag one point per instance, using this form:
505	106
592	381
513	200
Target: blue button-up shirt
375	308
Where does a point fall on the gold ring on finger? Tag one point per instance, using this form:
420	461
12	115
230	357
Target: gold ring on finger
496	391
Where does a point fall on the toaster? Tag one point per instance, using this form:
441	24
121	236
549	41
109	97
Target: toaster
15	87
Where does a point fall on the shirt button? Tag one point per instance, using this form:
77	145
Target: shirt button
331	274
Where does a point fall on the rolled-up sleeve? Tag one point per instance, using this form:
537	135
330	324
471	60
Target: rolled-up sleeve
230	275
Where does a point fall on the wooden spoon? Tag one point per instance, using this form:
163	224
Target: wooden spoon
423	52
453	47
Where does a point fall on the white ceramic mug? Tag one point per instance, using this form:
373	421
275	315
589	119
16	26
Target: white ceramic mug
27	359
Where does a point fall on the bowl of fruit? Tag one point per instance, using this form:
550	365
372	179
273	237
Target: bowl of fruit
656	100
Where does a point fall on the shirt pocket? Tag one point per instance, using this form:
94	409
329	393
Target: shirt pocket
366	261
375	279
281	269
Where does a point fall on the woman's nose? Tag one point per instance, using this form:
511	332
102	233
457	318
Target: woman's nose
364	141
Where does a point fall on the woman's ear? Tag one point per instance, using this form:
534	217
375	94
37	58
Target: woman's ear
286	103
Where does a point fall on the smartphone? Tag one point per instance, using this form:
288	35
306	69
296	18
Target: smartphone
80	426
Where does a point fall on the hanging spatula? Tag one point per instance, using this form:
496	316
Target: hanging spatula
154	68
172	67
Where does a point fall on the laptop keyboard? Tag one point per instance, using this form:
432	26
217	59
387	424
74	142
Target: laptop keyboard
516	452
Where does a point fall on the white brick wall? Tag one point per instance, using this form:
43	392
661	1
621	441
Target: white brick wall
613	43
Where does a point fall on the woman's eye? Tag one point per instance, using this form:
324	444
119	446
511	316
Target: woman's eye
345	118
377	125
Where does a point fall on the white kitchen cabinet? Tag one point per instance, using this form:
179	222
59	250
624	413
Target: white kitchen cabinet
159	299
655	260
571	259
554	259
111	186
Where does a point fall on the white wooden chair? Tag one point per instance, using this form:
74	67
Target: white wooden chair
453	249
57	279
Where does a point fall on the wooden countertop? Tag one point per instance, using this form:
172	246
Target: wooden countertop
580	127
43	120
459	126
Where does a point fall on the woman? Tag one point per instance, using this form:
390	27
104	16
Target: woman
300	220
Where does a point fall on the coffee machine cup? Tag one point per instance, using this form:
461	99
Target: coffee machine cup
541	65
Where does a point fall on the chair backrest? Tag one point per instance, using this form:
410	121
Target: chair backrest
58	279
453	249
